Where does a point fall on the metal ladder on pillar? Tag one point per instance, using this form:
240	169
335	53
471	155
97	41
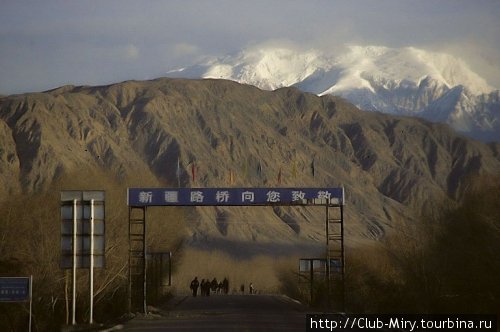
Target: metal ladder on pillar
335	250
137	259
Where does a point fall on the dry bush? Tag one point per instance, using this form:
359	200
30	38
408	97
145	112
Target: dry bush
466	252
30	245
446	263
370	278
299	288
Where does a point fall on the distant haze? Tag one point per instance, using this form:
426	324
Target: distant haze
45	44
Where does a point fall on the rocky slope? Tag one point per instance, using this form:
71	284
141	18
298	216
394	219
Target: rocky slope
401	81
392	167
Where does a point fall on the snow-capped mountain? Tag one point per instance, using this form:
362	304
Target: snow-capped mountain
403	81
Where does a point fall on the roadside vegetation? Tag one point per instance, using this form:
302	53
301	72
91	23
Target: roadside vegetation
30	245
445	263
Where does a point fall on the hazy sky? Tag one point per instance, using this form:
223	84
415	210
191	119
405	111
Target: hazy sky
45	44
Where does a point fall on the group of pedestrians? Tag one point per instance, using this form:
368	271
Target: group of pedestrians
206	286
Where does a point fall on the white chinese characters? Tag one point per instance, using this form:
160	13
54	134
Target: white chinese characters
146	197
196	197
235	196
247	197
171	197
298	195
324	195
222	196
273	196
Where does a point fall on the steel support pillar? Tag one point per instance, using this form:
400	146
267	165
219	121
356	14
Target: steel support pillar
335	253
137	290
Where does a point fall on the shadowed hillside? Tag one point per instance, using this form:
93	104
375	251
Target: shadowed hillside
391	167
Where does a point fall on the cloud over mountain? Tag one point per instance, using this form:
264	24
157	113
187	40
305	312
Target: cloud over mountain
402	81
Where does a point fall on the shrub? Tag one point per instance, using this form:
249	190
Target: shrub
446	263
30	245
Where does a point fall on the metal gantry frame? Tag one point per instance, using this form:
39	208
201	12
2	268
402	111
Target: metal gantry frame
335	252
330	268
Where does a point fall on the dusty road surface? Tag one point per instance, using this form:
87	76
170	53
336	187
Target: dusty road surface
226	313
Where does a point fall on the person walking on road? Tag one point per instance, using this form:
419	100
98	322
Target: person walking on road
213	285
194	286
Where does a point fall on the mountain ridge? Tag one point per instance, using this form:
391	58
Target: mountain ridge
392	167
406	81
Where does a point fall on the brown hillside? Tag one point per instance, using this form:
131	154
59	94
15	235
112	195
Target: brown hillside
391	167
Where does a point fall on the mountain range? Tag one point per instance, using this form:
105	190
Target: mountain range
392	167
402	81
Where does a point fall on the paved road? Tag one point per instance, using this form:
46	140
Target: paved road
227	313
